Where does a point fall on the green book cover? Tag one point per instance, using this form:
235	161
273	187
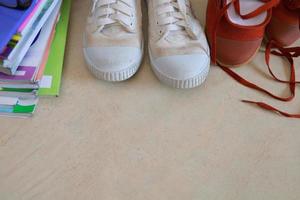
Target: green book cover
14	106
54	66
24	109
16	90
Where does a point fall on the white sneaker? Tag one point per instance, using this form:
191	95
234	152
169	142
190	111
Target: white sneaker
113	40
178	48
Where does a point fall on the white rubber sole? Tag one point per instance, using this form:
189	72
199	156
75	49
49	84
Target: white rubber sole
112	76
180	84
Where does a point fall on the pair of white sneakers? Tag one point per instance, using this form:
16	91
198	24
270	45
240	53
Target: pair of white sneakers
178	49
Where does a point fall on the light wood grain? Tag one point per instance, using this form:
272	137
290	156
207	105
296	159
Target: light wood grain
141	140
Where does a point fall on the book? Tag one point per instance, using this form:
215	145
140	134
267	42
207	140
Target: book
40	69
16	92
29	68
51	81
9	65
31	16
11	19
23	29
14	106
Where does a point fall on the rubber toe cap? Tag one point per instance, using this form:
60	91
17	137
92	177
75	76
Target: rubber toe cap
110	59
182	67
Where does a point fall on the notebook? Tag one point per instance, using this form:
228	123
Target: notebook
23	29
51	81
30	16
23	93
34	58
9	66
14	106
11	20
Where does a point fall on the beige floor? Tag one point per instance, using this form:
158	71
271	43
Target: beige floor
142	140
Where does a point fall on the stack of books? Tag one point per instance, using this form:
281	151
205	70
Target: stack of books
32	45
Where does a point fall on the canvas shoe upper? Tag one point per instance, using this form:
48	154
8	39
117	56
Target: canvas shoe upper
284	27
113	41
178	49
235	29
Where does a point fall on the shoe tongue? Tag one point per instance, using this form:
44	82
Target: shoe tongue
113	30
179	36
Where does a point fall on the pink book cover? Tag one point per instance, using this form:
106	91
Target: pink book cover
23	25
45	57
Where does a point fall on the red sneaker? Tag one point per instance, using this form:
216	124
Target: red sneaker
284	27
235	37
235	29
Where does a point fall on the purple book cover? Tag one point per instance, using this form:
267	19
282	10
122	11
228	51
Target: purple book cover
11	20
7	50
23	74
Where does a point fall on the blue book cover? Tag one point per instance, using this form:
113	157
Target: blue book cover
11	19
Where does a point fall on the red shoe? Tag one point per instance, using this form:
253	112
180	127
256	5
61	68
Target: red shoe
235	29
283	30
284	27
233	43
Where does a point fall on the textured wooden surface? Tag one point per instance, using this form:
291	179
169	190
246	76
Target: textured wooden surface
142	140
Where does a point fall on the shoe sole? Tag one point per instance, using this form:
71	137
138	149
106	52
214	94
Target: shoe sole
180	84
115	76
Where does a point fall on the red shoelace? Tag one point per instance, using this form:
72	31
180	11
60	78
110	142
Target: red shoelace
288	53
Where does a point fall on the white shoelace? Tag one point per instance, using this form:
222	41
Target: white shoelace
175	15
109	12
